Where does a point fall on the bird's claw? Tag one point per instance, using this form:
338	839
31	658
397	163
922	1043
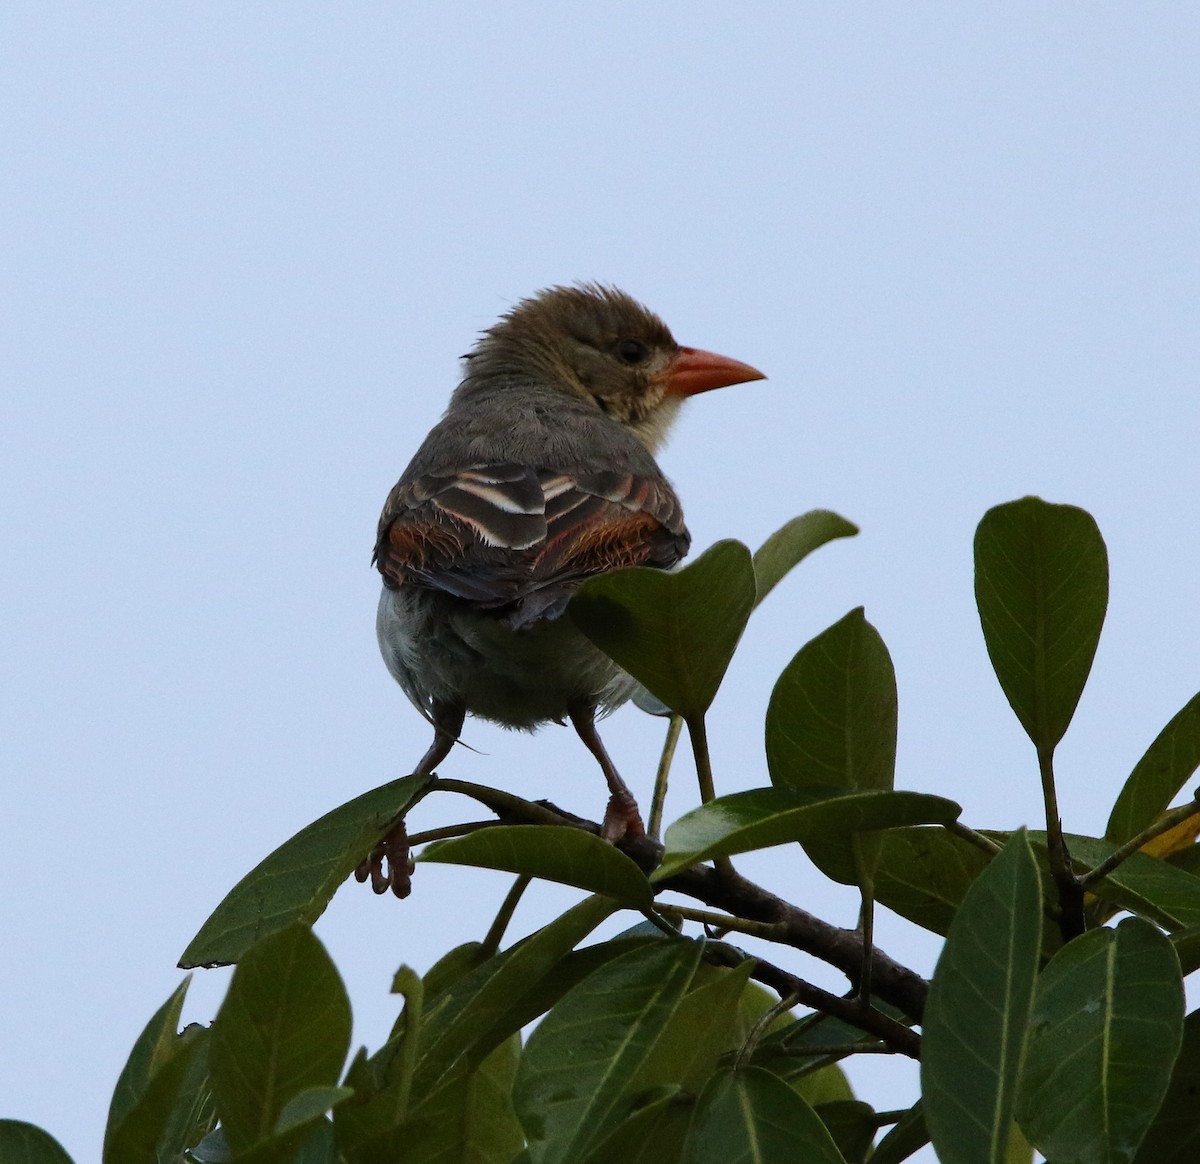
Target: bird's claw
622	819
389	864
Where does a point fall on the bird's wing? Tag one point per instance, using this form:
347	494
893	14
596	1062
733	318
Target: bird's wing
502	534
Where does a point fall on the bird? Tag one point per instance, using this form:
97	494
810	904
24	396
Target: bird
540	474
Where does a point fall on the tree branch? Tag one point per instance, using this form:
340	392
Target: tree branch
729	891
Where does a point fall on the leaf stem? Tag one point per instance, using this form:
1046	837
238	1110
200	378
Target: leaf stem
1164	824
747	1049
698	735
768	931
1070	894
972	837
495	934
674	728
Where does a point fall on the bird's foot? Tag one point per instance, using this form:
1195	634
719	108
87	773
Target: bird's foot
622	819
389	865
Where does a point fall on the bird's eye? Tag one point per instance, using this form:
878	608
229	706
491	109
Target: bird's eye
631	352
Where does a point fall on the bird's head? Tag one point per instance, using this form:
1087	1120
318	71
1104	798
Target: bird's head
598	344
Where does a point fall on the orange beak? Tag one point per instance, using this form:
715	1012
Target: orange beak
691	371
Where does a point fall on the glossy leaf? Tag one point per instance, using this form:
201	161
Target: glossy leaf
923	874
309	1105
297	880
580	1059
1041	584
789	546
1174	1137
817	1077
825	1085
283	1028
831	721
673	632
160	1104
1104	1033
169	1115
566	855
467	1119
653	1134
1142	884
484	1007
763	817
22	1143
1187	949
852	1125
1166	767
703	1027
752	1117
978	1009
155	1047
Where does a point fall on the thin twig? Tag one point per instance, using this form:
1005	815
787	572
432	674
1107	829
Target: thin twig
739	897
866	1018
449	832
1164	824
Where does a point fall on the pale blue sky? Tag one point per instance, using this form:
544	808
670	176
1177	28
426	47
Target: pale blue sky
243	246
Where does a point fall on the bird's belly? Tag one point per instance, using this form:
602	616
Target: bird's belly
441	650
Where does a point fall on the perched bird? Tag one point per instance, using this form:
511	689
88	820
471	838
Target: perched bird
540	474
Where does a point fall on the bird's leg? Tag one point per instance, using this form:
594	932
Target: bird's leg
621	818
393	850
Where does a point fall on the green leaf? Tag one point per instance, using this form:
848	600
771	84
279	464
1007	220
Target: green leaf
1020	1151
1168	764
826	1085
789	546
763	817
852	1125
481	1009
1041	585
173	1111
310	1105
554	853
22	1143
703	1027
1174	1137
751	1117
1187	948
831	721
161	1103
673	632
817	1077
653	1134
452	966
1142	884
296	882
155	1047
979	1001
283	1028
923	874
468	1119
1105	1030
579	1060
